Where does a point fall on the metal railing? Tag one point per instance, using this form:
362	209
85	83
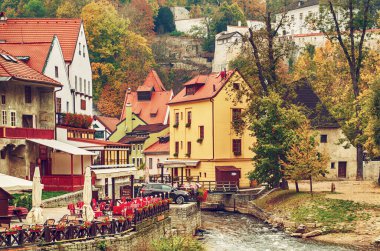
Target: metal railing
220	186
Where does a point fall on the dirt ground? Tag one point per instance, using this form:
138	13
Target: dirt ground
358	191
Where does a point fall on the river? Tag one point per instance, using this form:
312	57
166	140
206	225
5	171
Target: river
238	232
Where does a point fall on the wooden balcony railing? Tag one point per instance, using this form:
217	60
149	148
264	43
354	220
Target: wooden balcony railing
63	182
26	133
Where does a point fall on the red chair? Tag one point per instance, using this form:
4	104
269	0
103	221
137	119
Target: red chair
117	210
123	199
102	206
71	208
80	204
94	205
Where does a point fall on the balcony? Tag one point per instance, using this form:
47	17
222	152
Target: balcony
63	182
25	133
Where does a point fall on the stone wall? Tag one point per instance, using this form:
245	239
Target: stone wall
139	240
185	218
63	200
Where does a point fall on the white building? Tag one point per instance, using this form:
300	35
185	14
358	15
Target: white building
76	94
104	126
155	155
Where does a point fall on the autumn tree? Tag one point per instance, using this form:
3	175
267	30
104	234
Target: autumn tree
303	160
34	8
346	23
274	124
71	8
140	15
119	57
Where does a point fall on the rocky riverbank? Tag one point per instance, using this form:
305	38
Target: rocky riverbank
317	216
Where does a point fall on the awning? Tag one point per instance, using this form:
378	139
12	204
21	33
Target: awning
61	146
227	169
113	172
13	184
180	163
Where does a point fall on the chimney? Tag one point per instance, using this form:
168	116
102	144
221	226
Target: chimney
239	23
128	118
3	17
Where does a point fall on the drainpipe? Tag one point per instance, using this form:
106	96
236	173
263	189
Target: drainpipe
213	134
55	111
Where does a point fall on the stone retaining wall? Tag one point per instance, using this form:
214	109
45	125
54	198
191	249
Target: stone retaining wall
63	200
140	240
185	218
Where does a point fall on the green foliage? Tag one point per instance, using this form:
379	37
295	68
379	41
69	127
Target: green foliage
22	200
35	8
176	33
164	22
102	246
176	243
274	125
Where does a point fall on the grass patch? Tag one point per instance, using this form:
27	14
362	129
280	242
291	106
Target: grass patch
49	194
25	199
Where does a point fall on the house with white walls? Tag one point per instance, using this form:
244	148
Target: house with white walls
76	96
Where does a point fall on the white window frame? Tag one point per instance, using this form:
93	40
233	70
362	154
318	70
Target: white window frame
4	115
15	118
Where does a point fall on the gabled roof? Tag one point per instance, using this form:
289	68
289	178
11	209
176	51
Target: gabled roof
153	80
18	70
151	128
31	30
132	139
158	148
151	111
108	122
228	35
317	112
213	83
299	4
37	52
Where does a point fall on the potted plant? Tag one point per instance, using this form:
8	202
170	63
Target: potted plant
188	125
129	217
13	230
36	228
175	125
121	219
187	155
140	209
85	225
175	155
200	140
106	221
61	227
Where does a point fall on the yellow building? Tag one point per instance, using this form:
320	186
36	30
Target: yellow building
203	142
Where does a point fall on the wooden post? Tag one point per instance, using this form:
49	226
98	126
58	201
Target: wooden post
113	190
106	186
181	176
172	176
72	172
132	186
162	173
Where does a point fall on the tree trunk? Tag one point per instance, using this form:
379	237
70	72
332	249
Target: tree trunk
311	185
284	184
359	162
297	188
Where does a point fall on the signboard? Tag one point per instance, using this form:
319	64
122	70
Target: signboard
126	191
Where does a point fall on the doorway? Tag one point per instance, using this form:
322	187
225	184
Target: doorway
342	169
27	121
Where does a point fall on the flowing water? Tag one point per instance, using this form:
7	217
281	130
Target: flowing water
237	232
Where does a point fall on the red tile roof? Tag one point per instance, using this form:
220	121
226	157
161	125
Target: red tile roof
158	147
151	111
132	139
206	90
108	122
20	71
38	52
26	30
153	80
151	128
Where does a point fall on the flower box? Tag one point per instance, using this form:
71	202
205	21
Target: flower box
188	125
200	140
175	125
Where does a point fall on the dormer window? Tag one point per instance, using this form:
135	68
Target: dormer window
192	89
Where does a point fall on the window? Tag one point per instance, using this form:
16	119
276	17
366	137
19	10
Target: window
176	118
200	174
188	172
150	163
89	88
133	160
188	148
201	132
80	84
80	45
58	105
83	104
236	114
84	51
3	99
189	118
190	90
323	138
76	83
56	71
332	165
205	175
4	117
236	147
13	118
84	85
177	147
67	106
28	94
133	147
236	86
99	135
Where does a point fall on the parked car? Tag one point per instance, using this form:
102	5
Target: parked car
152	189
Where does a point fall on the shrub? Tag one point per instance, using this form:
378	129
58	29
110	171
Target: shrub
177	34
176	243
76	120
22	200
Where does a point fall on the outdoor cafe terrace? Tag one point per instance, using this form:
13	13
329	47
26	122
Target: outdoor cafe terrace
111	218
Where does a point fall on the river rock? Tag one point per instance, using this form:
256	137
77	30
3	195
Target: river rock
376	242
301	229
296	235
312	234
